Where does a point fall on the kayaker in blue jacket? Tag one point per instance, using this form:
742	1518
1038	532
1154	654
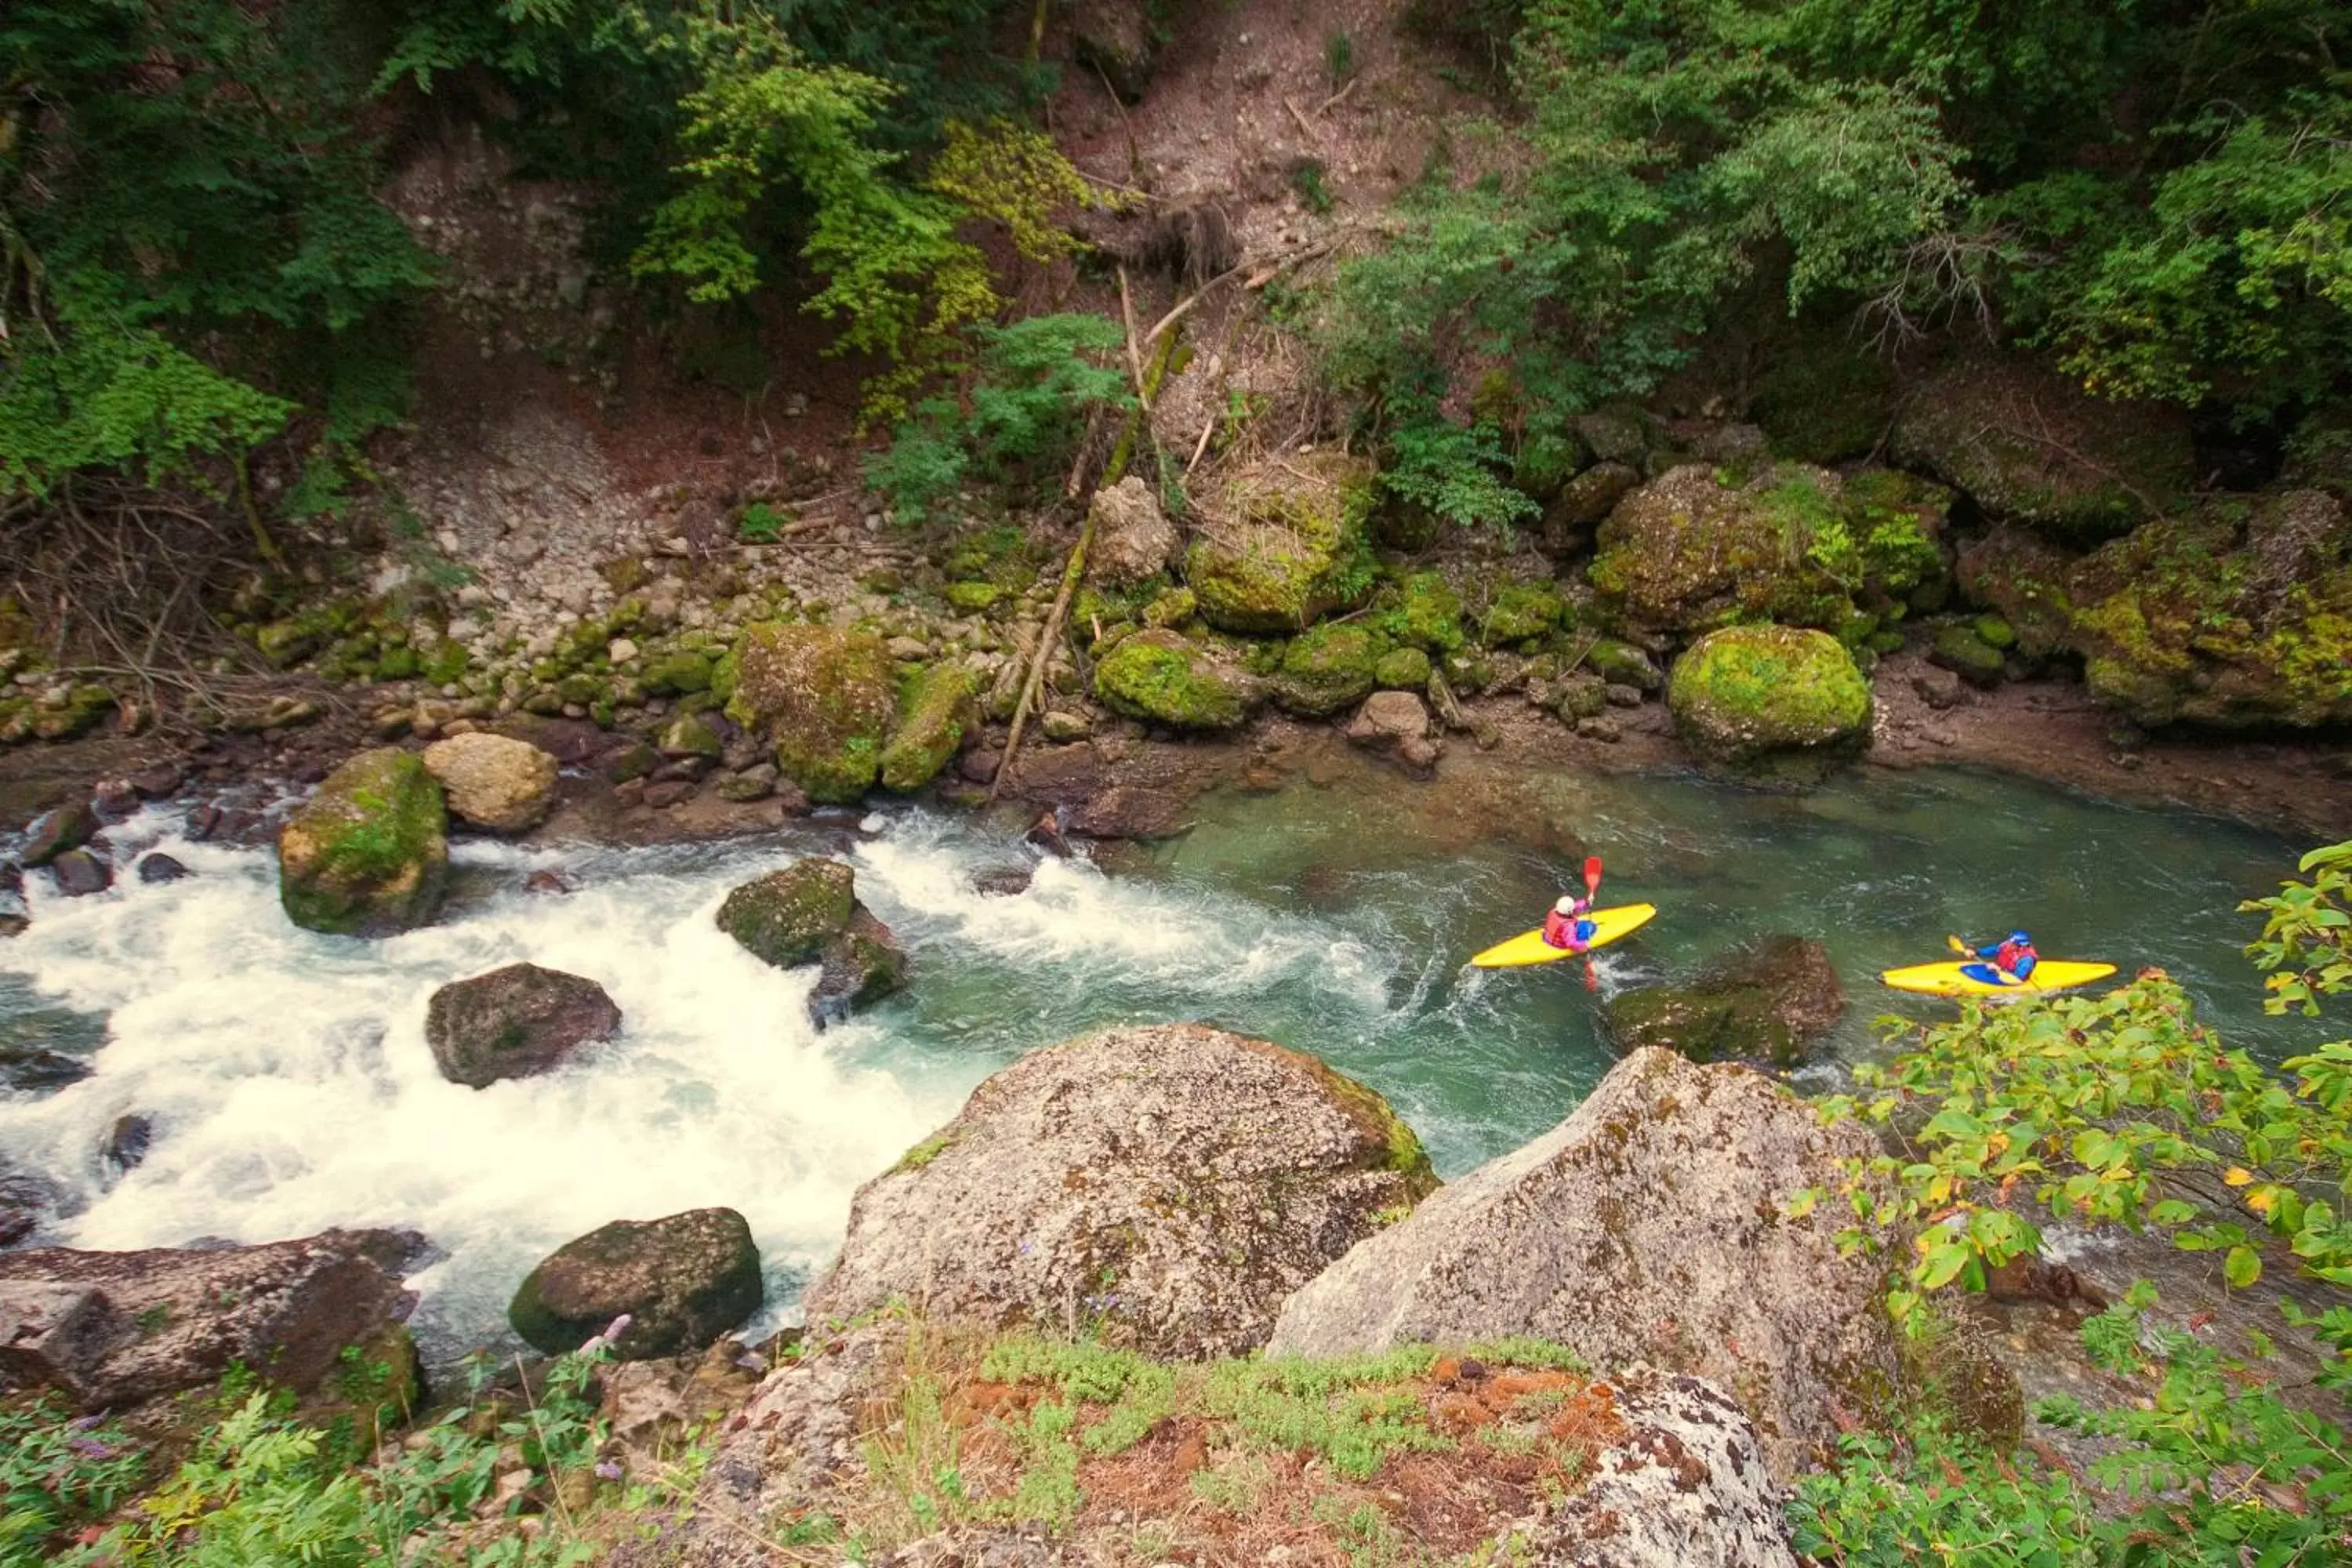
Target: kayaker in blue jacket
1566	927
2013	960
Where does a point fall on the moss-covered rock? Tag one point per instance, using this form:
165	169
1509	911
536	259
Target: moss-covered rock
1522	612
2029	444
788	916
1623	664
1428	615
1326	671
1746	692
2022	577
973	598
1286	544
2237	615
1763	1002
1699	548
1402	669
936	711
826	698
679	672
368	854
1957	647
691	735
1162	678
682	1281
1172	608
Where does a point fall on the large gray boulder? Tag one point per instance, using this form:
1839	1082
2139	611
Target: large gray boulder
113	1329
494	782
681	1280
1170	1184
515	1022
1133	539
1651	1226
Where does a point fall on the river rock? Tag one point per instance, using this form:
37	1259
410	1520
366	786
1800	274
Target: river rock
29	1069
368	854
126	1143
809	913
81	872
1745	693
493	781
1761	1002
25	1201
1650	1225
1133	539
1326	671
1395	725
1274	561
1132	811
826	698
112	1329
2029	444
1166	678
1170	1184
15	913
682	1280
160	867
515	1022
67	828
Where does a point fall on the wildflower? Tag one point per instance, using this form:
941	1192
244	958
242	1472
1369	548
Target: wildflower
608	1469
91	1448
609	1337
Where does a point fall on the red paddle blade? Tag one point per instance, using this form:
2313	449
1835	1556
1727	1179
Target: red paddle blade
1591	875
1592	977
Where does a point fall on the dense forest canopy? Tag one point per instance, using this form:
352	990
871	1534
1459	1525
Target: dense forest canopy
2151	192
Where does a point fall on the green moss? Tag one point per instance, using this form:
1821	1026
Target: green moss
1290	547
691	735
1520	613
973	598
1327	669
1428	615
1959	648
1746	691
1402	669
924	1152
1995	632
825	698
1172	608
674	674
1160	677
936	712
788	916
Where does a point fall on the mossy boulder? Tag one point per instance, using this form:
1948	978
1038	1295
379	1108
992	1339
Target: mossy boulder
973	598
2023	577
1522	612
691	735
1327	670
679	673
1428	615
1284	544
937	710
1161	677
1623	664
2235	616
682	1281
1402	669
826	698
368	855
1699	548
515	1022
1762	1003
1746	692
2029	444
787	917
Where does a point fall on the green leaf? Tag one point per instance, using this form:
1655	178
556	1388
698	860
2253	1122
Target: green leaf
2241	1266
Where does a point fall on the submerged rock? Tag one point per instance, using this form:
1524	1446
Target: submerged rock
30	1068
493	781
160	867
826	698
367	855
1746	692
1651	1226
515	1022
1164	679
1395	725
862	964
111	1328
1171	1184
682	1281
1279	558
81	872
126	1143
1132	811
1762	1003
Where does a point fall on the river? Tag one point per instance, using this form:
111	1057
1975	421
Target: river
291	1088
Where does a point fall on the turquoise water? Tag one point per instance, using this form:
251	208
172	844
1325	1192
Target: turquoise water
291	1088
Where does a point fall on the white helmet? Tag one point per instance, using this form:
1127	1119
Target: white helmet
1567	906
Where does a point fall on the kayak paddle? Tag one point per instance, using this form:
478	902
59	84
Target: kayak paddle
1956	945
1591	876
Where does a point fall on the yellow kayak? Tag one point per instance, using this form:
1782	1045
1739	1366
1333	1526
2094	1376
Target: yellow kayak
1530	948
1949	979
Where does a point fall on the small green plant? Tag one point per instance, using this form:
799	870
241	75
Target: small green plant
1306	179
1339	62
1456	472
57	1474
759	524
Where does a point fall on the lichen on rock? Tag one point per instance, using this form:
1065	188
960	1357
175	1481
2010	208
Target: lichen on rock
1168	1184
1282	543
515	1022
682	1280
1327	669
936	712
827	700
492	781
367	855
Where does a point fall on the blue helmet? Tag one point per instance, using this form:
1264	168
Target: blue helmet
2020	938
